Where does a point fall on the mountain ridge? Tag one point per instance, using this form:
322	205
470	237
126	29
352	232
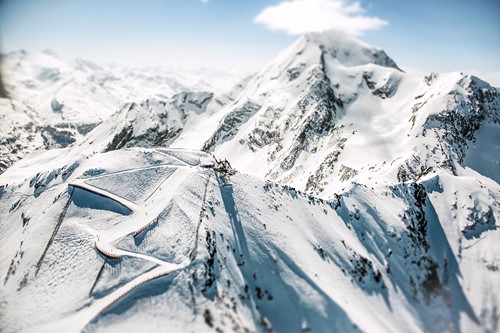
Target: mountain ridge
361	198
60	101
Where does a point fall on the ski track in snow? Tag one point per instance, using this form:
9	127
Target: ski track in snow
138	222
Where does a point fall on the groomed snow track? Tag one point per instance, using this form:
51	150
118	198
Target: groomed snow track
136	224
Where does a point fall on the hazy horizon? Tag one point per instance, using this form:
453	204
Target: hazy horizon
423	37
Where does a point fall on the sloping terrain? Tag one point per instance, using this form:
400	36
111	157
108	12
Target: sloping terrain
150	238
331	110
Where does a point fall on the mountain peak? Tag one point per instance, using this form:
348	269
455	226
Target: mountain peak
349	50
50	53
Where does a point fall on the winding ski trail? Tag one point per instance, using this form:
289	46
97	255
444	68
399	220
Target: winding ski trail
141	216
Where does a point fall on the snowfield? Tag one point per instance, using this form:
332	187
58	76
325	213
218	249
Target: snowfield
135	233
362	199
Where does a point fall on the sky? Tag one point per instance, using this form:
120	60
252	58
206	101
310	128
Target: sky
424	35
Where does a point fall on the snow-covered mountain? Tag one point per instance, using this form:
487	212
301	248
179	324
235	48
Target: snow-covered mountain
328	111
53	103
380	212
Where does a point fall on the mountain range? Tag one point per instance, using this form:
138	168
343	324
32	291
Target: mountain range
54	103
360	198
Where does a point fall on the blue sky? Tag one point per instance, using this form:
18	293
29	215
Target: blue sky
426	35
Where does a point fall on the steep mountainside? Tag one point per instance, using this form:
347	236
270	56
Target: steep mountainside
328	111
380	212
332	110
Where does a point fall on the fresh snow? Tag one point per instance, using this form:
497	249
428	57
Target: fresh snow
362	198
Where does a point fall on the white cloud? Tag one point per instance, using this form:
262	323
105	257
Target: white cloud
297	17
204	1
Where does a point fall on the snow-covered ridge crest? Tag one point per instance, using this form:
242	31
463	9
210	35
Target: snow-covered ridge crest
348	50
320	124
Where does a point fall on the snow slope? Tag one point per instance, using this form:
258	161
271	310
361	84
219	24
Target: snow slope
83	91
148	238
331	110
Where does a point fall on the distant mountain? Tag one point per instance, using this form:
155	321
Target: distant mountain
58	102
365	200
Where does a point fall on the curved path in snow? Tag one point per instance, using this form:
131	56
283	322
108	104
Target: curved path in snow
138	221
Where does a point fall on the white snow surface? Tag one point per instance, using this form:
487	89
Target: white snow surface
363	199
143	238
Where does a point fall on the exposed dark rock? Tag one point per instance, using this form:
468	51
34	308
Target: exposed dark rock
56	105
120	139
464	115
230	124
388	90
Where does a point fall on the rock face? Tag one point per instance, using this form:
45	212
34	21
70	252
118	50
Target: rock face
382	202
22	132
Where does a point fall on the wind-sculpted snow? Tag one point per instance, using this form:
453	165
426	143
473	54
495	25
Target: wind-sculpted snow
348	51
198	249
